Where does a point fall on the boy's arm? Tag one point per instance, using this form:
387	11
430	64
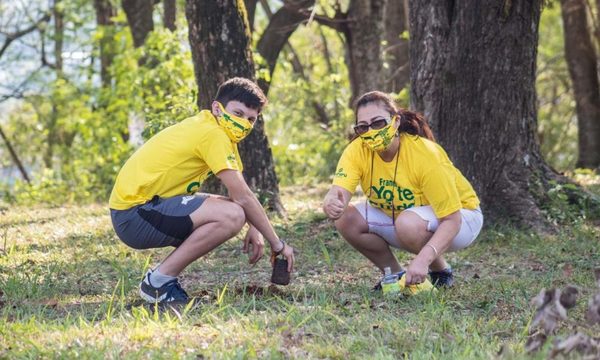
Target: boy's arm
241	194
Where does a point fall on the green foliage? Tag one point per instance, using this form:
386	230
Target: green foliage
76	136
573	203
307	144
557	123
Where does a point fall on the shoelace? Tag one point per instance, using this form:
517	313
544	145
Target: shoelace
176	291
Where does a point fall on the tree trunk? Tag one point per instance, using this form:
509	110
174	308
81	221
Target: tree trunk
104	13
281	26
364	32
220	43
582	61
473	76
396	52
170	14
53	136
139	18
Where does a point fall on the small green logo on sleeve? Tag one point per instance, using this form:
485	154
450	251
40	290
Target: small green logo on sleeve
340	173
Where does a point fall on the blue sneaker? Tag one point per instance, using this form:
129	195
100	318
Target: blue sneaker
442	278
171	291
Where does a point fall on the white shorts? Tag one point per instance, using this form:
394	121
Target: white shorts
381	224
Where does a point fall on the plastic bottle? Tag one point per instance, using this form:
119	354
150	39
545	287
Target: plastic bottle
389	284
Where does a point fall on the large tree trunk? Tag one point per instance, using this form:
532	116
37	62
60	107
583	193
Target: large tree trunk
364	32
139	18
396	51
581	59
220	42
473	76
104	12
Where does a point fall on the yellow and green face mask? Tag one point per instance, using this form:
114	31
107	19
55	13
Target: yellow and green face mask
235	127
380	139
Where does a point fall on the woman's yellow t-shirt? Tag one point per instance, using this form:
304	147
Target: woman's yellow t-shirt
425	176
175	162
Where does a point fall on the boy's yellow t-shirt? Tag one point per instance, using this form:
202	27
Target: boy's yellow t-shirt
175	162
425	176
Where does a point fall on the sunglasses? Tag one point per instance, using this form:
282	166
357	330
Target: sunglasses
375	125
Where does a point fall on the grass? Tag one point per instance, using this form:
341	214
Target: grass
69	289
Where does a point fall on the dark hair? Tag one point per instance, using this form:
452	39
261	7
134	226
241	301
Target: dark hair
410	122
242	90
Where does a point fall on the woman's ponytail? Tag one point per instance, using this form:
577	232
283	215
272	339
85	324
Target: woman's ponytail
414	123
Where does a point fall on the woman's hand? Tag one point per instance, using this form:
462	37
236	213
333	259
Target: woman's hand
335	204
416	272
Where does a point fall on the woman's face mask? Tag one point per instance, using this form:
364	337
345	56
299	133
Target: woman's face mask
379	139
236	128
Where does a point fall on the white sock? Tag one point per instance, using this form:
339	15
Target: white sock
158	279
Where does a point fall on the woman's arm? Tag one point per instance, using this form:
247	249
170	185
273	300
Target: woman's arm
436	246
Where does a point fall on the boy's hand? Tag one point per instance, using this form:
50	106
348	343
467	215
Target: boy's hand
254	238
288	252
335	206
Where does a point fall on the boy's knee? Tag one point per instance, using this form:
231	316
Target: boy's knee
235	218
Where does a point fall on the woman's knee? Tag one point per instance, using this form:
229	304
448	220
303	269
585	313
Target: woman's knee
351	223
411	230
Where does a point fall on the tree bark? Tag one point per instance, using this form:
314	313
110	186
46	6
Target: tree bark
396	52
220	42
104	13
473	76
53	132
170	14
364	32
139	18
582	62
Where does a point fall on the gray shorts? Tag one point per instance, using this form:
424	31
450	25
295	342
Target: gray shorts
158	223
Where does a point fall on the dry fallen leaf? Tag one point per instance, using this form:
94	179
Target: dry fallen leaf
535	342
581	343
567	270
549	311
593	312
568	297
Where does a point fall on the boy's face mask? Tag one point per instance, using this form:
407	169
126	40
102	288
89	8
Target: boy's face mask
236	128
380	139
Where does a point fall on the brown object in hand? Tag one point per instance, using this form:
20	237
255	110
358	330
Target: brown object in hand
280	275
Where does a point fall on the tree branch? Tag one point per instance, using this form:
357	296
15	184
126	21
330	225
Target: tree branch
10	37
338	22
